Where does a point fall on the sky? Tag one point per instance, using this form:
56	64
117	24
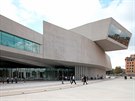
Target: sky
72	13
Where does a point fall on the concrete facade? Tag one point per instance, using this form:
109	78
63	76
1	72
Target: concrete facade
98	32
58	46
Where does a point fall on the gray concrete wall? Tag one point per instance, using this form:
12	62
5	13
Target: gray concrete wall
90	72
95	31
98	32
65	45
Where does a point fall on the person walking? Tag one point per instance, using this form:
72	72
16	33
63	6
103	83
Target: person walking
62	79
7	80
73	79
12	80
16	80
125	77
85	80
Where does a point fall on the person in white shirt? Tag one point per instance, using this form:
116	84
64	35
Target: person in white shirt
73	79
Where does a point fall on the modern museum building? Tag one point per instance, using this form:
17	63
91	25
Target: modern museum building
25	53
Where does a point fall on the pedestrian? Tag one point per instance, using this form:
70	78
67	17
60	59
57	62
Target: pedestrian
12	80
85	80
62	79
7	80
73	79
130	77
125	77
16	80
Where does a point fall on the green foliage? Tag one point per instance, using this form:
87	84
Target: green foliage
118	70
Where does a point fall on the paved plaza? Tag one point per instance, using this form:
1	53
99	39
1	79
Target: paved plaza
97	90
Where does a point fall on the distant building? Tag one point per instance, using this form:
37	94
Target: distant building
130	65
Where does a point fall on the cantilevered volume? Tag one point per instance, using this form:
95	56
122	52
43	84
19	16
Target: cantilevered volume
80	51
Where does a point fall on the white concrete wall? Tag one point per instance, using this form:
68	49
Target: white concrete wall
65	45
98	32
95	31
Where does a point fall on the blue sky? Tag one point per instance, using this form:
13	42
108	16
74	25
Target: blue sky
107	3
72	13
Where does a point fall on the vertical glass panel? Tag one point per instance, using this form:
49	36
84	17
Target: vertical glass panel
0	37
7	39
19	43
36	48
28	45
119	35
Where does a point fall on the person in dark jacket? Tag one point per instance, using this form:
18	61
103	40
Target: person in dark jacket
7	79
85	80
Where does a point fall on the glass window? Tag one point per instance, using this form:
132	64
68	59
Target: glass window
36	48
28	45
0	37
118	35
7	39
19	43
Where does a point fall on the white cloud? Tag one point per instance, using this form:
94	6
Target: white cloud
8	9
65	13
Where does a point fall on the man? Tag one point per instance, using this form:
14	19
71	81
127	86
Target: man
85	80
73	79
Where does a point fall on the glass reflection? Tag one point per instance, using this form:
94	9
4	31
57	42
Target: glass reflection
19	43
30	72
119	35
13	41
0	38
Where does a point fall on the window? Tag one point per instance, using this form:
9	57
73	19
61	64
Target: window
19	43
36	48
0	37
7	40
13	41
28	45
118	35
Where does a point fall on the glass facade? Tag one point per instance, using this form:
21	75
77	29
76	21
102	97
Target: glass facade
13	41
118	35
11	69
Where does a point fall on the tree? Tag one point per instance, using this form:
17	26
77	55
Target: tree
118	70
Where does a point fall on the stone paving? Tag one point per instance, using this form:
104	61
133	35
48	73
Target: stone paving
34	87
97	90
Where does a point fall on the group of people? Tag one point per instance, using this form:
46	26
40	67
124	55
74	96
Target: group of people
12	80
72	80
125	77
